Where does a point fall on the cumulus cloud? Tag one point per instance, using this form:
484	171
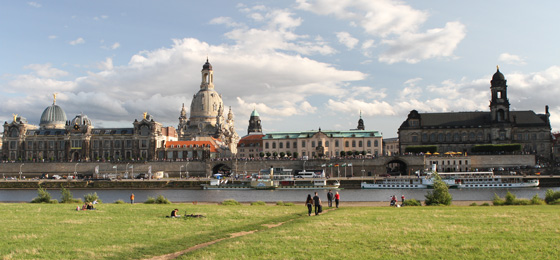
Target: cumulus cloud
414	47
511	59
46	70
52	37
346	39
396	24
80	40
380	17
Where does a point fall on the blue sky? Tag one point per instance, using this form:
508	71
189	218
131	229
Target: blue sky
302	64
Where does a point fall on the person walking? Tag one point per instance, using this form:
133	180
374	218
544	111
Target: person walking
132	198
337	199
317	203
309	204
402	198
330	198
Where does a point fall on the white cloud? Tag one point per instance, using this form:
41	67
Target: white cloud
115	46
46	70
511	59
106	65
34	4
102	17
80	40
346	39
380	17
52	37
414	47
228	21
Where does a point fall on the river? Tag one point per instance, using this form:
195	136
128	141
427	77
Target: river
350	195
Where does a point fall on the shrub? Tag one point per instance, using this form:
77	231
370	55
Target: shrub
43	196
497	201
162	200
258	203
485	204
552	197
279	203
412	202
536	200
230	202
510	198
67	196
150	200
440	195
289	204
473	204
91	197
120	202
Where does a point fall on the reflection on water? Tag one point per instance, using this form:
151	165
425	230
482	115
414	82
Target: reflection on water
109	196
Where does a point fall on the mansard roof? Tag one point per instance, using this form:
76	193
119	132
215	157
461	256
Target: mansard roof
475	119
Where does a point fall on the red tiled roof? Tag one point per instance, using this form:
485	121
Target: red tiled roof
213	148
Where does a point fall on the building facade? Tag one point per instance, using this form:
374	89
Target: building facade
390	146
460	131
207	115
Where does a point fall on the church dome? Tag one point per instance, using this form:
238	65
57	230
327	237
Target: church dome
498	75
206	104
81	120
255	113
207	66
53	118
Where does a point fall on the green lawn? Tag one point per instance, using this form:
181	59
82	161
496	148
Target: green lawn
124	231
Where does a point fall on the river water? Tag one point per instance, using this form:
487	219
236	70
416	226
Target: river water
351	195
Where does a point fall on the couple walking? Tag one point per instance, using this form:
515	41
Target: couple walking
316	201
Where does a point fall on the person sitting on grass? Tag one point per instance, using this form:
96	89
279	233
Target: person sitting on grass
174	213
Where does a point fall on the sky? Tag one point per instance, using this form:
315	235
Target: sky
302	64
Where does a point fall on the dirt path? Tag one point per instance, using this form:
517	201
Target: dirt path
233	235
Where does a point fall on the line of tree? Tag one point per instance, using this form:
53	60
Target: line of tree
496	148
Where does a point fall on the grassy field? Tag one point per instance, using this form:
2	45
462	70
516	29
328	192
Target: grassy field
124	231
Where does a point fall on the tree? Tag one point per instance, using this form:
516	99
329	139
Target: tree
289	154
296	154
440	195
282	154
342	153
275	154
261	154
268	154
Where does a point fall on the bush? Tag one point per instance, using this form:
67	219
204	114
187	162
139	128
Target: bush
552	197
289	204
279	203
497	201
43	196
536	200
162	200
150	200
473	204
230	202
120	202
485	204
67	196
440	195
258	203
412	202
510	198
91	197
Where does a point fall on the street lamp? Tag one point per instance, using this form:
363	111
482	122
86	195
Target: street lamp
304	165
187	169
363	171
180	175
20	170
76	170
245	168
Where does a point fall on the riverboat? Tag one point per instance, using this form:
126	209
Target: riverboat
270	179
425	182
467	180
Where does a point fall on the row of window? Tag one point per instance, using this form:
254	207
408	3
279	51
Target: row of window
60	145
320	143
449	162
465	137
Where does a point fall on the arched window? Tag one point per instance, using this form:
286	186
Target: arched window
273	145
347	144
375	143
326	143
424	137
441	138
368	143
144	130
456	137
280	145
266	145
472	137
360	144
432	138
353	143
448	137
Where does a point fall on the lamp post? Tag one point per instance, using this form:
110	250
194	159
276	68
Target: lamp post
304	165
20	171
126	170
363	171
76	170
187	169
245	168
180	171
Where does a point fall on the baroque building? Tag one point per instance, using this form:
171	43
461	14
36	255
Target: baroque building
460	131
58	139
207	119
